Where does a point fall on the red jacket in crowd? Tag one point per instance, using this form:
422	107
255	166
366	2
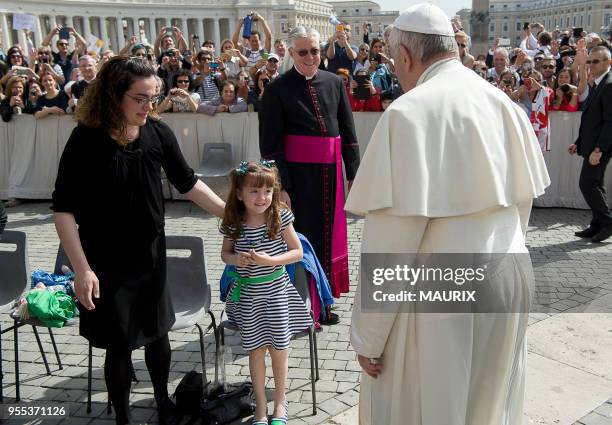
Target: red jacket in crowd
370	105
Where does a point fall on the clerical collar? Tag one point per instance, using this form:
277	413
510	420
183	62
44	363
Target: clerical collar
432	68
307	78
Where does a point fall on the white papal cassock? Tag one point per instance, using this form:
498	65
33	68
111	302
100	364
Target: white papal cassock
452	167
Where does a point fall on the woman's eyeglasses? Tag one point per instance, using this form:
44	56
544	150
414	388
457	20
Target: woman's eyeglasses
16	56
143	100
313	52
182	81
364	50
462	45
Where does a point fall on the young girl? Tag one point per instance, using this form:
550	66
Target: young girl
259	240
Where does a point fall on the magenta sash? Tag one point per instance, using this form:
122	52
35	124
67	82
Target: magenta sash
327	150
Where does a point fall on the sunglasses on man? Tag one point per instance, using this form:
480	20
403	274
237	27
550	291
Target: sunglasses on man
593	62
304	52
548	66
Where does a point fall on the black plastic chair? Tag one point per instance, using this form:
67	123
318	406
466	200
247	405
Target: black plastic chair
302	285
189	289
14	280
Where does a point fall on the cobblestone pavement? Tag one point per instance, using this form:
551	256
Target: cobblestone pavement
560	270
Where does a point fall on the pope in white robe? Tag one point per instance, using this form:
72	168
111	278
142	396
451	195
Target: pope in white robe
452	167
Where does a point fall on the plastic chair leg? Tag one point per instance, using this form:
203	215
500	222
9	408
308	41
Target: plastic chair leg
217	348
312	370
89	367
133	372
202	353
42	351
1	370
16	345
316	352
57	356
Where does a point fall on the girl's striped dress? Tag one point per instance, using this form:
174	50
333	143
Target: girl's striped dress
268	313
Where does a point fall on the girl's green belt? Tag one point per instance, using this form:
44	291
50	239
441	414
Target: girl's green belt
244	281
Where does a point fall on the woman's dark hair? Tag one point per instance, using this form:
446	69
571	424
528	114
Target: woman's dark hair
15	49
257	77
100	107
139	46
229	83
570	71
374	41
545	38
183	73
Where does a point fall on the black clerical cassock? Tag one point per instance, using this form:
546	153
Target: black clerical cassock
306	126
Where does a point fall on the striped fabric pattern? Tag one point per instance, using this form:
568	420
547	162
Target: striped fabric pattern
208	90
269	313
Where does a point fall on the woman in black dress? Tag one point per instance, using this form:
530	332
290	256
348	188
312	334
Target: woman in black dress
109	185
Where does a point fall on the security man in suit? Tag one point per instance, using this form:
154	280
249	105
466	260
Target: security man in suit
594	143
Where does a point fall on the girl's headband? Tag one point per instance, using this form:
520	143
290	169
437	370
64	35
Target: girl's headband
244	166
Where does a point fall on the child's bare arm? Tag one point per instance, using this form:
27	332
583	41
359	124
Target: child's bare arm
293	255
228	256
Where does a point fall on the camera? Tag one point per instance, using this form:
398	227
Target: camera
214	65
377	57
21	70
565	88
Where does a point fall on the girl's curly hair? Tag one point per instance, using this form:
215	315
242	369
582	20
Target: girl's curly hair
100	107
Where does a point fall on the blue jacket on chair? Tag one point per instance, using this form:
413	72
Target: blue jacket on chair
311	264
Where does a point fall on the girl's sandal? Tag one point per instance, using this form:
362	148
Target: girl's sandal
282	420
259	422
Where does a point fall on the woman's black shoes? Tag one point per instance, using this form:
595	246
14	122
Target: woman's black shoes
167	413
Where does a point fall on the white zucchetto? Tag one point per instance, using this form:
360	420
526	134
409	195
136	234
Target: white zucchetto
425	18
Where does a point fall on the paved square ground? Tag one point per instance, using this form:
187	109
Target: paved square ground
560	268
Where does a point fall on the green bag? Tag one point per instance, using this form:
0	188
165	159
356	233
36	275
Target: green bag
53	308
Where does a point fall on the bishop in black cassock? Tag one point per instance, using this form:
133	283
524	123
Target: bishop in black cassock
306	126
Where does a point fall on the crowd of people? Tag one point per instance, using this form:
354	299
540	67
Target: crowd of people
192	76
548	71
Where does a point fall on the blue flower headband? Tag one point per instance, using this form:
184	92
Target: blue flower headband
244	166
